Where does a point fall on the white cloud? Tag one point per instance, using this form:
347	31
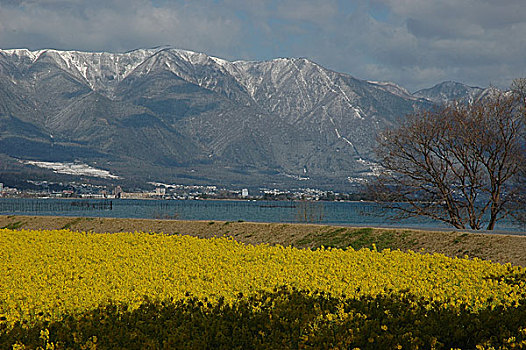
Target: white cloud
115	25
415	43
315	11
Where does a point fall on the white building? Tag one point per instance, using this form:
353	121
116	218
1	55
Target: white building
244	192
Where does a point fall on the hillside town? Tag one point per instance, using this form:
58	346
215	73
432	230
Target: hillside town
160	191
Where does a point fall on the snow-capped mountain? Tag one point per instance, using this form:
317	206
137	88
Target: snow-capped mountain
181	116
449	91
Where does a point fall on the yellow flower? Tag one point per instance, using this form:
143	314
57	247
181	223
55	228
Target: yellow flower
59	272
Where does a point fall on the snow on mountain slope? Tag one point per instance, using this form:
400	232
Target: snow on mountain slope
102	70
393	88
72	169
449	91
171	109
98	69
284	85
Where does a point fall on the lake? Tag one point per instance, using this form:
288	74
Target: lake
336	213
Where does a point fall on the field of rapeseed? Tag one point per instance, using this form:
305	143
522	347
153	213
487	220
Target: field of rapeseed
63	289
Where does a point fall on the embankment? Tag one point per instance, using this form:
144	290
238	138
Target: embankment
494	247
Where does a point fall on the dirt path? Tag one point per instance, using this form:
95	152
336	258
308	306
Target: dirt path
494	247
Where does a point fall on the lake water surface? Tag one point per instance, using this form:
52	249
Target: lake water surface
337	213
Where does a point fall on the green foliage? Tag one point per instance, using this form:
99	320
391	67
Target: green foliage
459	238
366	240
343	237
333	238
283	319
14	225
71	223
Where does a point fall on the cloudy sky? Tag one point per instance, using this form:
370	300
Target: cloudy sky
415	43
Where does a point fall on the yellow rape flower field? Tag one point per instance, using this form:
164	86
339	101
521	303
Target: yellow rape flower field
48	276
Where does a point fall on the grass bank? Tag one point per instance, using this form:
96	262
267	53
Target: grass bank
494	247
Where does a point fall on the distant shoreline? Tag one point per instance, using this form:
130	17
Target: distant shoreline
342	213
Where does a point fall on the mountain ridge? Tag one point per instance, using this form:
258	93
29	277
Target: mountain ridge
183	116
449	91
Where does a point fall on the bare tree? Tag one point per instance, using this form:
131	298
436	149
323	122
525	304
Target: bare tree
518	87
309	211
457	164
